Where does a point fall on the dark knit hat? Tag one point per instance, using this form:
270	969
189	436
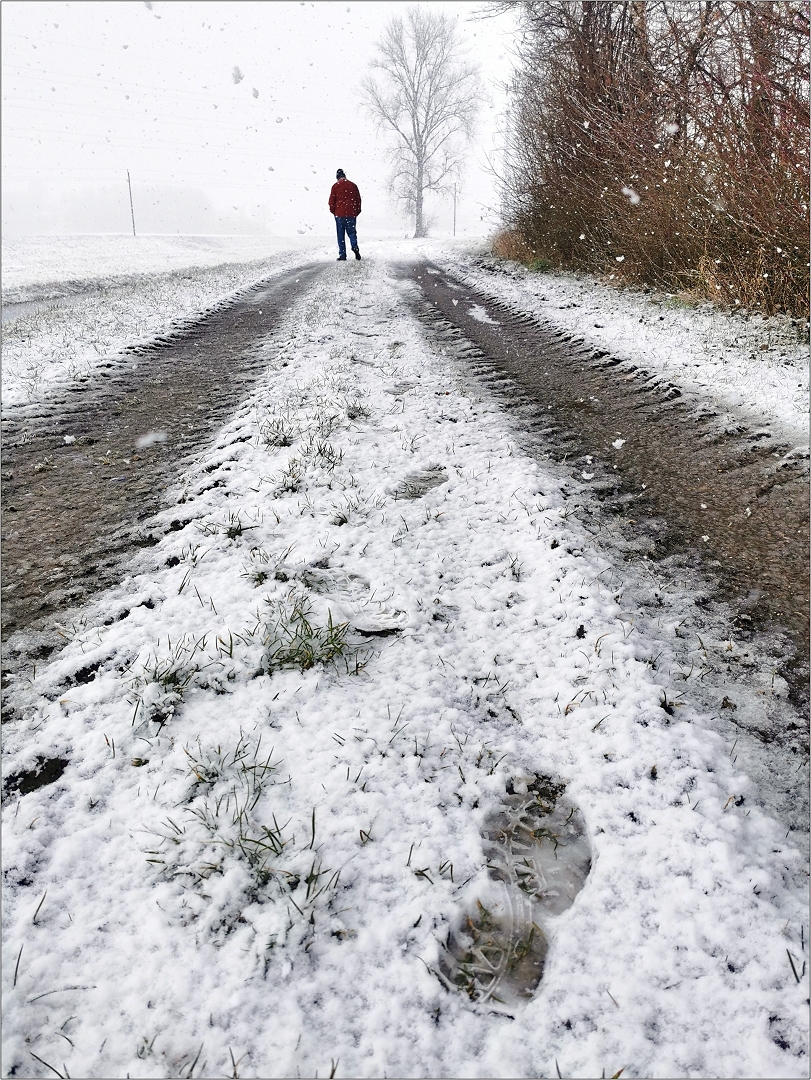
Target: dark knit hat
340	175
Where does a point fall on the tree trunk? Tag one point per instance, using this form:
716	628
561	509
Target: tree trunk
419	225
760	113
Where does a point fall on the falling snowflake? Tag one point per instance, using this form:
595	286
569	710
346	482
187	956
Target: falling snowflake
620	258
279	119
255	92
633	198
671	129
237	75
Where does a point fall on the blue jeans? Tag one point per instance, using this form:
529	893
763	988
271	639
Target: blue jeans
346	224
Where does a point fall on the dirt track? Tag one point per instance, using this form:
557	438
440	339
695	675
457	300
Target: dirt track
72	512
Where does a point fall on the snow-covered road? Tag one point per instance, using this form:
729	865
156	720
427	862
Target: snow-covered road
299	738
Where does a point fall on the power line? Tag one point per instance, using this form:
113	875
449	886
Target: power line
132	211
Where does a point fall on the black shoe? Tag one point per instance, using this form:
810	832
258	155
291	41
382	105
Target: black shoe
341	258
357	252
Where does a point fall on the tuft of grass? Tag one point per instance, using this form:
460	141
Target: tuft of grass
162	684
292	640
265	566
356	410
227	825
291	478
354	506
212	764
322	453
277	431
232	527
226	787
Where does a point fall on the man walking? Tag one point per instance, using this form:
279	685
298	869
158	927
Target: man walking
344	203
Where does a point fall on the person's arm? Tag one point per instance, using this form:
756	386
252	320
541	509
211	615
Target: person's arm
332	200
357	197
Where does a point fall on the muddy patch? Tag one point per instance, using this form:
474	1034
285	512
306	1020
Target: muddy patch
45	771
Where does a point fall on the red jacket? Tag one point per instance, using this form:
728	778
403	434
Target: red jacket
344	199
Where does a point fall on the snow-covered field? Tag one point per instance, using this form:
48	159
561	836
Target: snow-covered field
292	735
37	267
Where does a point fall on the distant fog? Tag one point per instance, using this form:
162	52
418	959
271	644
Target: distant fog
40	209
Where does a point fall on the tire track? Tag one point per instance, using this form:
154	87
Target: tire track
73	511
729	503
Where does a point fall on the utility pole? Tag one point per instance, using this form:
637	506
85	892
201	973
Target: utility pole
132	212
454	209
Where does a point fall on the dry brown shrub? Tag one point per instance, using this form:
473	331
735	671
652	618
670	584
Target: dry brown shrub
666	143
510	244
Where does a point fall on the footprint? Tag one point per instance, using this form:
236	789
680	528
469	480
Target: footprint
497	954
379	623
350	592
417	484
537	843
538	857
400	388
351	587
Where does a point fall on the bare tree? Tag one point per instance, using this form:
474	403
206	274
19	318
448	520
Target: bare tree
427	96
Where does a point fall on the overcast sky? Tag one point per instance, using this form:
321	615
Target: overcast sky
231	117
